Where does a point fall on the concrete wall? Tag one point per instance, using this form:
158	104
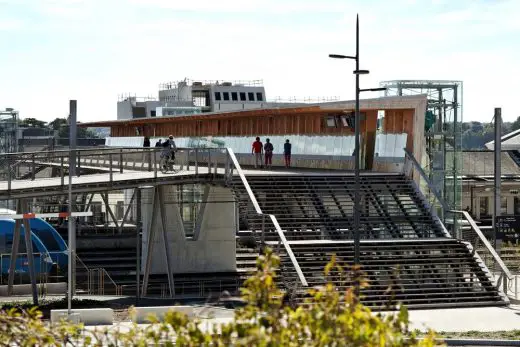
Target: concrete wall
213	250
124	109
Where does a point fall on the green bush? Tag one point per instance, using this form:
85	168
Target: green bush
328	318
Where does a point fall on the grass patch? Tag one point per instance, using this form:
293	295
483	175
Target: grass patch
473	334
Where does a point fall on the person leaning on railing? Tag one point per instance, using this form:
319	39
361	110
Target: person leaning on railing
169	148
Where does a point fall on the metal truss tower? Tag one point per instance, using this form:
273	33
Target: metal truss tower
8	131
443	132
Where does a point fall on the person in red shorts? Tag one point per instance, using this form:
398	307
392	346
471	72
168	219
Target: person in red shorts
257	151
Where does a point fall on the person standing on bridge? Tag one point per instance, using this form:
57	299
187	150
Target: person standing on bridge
158	143
257	151
287	152
268	149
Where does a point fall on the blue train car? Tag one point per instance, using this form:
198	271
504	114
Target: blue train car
42	259
52	240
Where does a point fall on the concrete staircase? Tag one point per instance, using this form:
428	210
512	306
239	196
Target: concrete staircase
406	252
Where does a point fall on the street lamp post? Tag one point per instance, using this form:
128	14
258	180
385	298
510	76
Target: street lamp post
357	208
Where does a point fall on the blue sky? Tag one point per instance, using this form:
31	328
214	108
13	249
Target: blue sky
92	50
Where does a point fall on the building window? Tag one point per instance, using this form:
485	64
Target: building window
242	96
330	121
259	97
517	205
251	96
503	205
226	96
217	96
484	206
234	96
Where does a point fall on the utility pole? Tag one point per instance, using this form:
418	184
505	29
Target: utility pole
71	222
357	234
498	174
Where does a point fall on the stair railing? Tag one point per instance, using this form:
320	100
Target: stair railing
479	238
410	164
90	285
277	227
101	274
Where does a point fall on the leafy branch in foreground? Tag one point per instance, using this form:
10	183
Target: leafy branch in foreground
328	317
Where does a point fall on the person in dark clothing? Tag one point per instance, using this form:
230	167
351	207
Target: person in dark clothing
158	143
268	150
169	147
287	153
146	142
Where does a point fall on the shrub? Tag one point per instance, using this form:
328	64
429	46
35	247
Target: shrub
328	318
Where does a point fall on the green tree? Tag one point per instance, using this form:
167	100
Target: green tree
515	125
62	126
32	123
58	123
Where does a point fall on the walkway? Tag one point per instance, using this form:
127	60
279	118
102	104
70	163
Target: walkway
132	178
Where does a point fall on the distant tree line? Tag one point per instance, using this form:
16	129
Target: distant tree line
475	134
60	125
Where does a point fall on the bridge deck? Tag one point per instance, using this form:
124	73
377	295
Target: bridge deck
132	179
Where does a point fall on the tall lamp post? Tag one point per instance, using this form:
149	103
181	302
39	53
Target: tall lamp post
357	208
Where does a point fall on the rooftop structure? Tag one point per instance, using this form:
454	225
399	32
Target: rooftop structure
510	141
197	96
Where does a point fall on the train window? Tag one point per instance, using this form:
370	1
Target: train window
243	96
3	248
259	97
251	96
234	96
217	96
21	246
226	96
48	240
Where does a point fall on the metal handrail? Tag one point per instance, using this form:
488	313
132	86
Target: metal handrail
486	243
272	217
66	152
103	272
419	169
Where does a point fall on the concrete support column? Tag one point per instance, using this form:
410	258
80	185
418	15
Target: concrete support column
213	250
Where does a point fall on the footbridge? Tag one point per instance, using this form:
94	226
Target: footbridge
306	216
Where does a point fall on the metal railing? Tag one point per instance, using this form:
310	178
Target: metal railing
435	203
476	239
95	278
112	161
42	267
273	219
100	275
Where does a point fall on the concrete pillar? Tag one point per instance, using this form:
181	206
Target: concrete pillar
133	210
215	248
